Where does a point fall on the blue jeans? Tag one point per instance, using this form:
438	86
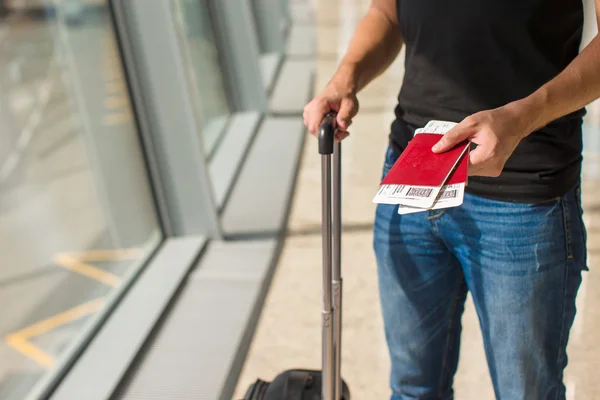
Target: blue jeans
522	264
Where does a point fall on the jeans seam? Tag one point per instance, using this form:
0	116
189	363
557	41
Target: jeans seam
567	222
562	328
568	262
582	228
448	337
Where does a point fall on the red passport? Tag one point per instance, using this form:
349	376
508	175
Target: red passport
418	165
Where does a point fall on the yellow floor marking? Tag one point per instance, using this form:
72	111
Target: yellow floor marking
72	261
64	317
115	86
29	350
112	72
72	264
105	255
117	101
20	340
116	118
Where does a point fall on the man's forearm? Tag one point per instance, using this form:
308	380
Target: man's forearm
374	46
574	88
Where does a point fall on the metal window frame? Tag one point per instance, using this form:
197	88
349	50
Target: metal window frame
164	103
236	37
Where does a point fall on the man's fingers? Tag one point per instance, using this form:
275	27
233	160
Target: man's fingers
450	139
476	161
341	135
474	170
348	109
482	163
314	115
315	111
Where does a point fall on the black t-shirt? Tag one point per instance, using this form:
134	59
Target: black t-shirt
464	56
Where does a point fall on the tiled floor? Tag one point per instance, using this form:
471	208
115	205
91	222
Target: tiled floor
288	334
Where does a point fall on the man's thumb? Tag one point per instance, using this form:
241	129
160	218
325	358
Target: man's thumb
448	141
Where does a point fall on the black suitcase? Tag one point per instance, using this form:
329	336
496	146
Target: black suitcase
325	384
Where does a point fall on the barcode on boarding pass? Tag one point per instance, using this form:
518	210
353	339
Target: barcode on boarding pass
449	194
419	192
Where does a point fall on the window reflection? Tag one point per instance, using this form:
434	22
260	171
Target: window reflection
204	69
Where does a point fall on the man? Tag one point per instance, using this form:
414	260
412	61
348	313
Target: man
510	72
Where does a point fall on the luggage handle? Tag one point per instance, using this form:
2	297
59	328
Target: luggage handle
327	134
332	279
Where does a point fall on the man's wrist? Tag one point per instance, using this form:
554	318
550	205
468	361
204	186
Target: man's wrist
345	78
531	113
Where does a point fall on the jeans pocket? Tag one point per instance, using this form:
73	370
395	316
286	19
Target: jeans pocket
390	160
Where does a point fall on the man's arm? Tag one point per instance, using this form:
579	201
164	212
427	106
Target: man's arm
574	88
499	131
374	46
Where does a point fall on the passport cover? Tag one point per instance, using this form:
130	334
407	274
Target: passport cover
460	173
418	165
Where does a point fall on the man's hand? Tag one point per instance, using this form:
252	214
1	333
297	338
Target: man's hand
374	46
336	97
497	133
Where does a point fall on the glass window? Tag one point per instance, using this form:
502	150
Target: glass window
204	69
76	212
271	22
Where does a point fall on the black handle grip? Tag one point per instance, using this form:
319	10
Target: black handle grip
327	134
